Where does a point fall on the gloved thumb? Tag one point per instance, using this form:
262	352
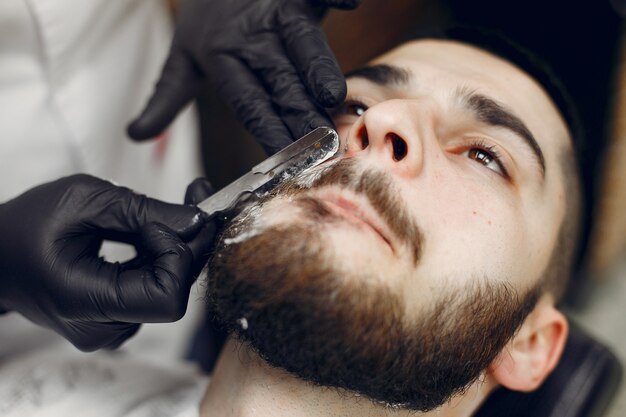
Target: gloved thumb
198	190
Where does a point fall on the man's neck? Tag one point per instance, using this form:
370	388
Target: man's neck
243	385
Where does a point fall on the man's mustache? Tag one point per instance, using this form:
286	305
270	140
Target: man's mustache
381	192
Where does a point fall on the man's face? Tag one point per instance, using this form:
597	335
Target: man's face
478	192
404	269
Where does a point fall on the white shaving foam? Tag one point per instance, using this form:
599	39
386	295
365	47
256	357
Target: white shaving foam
307	178
242	237
249	216
243	322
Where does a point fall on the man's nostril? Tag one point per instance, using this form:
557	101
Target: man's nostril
399	147
365	140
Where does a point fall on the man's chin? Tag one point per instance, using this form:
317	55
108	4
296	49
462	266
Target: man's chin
280	294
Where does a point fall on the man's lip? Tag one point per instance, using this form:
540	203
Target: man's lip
353	211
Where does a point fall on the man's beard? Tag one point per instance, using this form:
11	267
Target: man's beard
280	290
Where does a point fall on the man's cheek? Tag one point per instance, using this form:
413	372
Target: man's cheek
343	130
279	211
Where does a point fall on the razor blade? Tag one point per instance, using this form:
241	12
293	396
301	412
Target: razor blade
308	151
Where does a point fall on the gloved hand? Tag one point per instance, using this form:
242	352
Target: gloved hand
199	190
268	59
50	271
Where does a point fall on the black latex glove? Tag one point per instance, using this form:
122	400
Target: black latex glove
50	271
201	189
268	59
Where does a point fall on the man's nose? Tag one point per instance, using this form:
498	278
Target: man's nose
394	133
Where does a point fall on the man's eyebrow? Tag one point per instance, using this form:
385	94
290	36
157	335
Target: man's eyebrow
485	109
382	74
492	113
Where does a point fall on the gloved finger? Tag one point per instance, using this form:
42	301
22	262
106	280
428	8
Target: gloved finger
123	332
158	292
130	218
290	96
88	337
201	246
178	84
135	263
183	220
309	51
198	190
250	102
119	210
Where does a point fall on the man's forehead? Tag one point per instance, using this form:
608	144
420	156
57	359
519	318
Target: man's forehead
450	62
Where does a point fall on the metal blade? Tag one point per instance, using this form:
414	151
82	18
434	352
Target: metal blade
310	150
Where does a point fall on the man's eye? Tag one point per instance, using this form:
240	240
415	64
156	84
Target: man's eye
350	108
488	157
356	109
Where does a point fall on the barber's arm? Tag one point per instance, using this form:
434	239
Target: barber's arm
51	273
268	59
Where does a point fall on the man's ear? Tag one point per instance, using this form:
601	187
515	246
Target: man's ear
534	351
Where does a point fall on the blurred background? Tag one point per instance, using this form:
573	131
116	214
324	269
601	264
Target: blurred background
583	43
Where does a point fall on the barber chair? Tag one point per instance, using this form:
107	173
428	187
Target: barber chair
582	385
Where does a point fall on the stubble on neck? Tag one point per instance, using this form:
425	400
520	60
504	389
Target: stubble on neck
243	385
